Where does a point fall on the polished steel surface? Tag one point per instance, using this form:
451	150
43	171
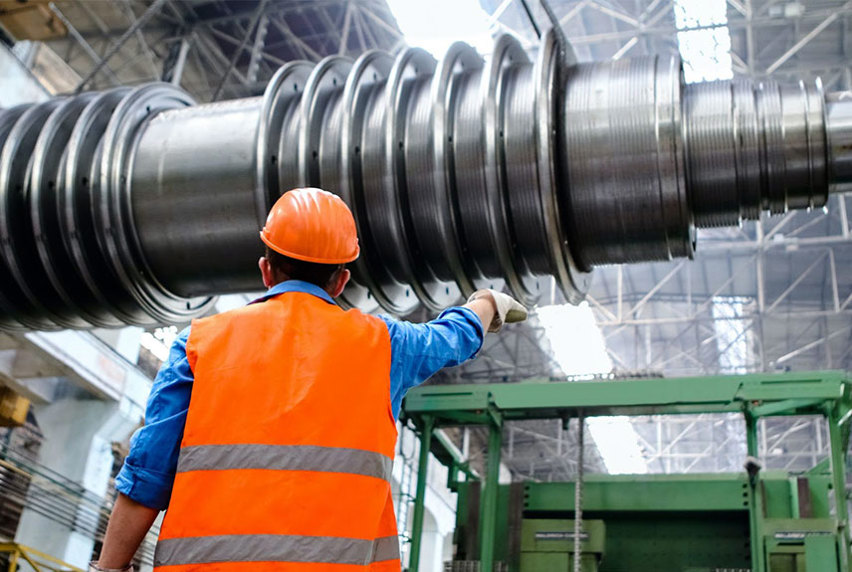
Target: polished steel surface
754	147
839	126
197	192
137	206
624	157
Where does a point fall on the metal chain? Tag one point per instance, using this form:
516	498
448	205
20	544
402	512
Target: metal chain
578	494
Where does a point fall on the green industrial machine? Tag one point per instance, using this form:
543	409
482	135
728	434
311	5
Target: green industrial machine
754	520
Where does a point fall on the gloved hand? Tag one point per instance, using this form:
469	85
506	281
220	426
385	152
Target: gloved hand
506	309
93	567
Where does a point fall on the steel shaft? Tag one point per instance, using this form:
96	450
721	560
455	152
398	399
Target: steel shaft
136	206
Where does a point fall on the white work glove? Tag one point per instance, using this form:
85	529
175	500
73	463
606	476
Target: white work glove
93	567
507	309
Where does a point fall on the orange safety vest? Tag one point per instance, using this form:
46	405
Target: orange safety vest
286	458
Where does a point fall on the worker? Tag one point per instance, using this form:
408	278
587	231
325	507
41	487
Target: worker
270	429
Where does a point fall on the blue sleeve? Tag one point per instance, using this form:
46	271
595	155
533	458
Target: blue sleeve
418	351
149	470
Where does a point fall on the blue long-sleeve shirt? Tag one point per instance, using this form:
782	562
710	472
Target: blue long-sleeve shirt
417	352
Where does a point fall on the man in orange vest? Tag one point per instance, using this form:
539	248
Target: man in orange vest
270	429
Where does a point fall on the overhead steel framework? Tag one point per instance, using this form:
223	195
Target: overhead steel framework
135	206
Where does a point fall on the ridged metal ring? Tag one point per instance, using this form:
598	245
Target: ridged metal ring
769	113
507	53
414	66
459	59
818	144
679	231
328	75
369	70
552	182
747	144
385	243
17	249
100	290
8	311
117	234
56	283
282	93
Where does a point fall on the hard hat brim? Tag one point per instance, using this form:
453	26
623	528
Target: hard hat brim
317	260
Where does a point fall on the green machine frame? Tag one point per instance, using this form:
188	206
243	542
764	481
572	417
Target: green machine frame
822	534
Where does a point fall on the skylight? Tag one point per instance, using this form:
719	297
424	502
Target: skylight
734	335
580	350
704	39
459	20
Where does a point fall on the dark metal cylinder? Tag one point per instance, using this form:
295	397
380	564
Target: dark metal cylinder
839	132
194	178
137	206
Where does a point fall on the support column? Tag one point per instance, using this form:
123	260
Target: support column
420	495
838	476
755	506
488	510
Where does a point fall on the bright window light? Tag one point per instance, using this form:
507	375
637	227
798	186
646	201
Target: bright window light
734	335
618	444
159	341
704	39
463	20
580	350
576	340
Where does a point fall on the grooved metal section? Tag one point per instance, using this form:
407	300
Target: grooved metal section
136	206
624	160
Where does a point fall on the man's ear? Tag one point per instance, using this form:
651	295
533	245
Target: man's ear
266	272
340	283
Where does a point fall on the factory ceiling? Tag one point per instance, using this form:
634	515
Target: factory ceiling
773	294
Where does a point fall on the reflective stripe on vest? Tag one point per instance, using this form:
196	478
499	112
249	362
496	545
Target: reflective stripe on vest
285	458
275	548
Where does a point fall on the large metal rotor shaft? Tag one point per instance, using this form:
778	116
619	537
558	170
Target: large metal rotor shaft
135	206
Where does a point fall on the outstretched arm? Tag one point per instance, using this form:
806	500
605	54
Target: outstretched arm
420	350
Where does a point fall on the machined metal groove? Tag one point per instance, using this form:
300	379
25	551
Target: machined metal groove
417	209
817	142
508	54
19	253
551	131
8	118
380	248
114	212
445	220
469	176
769	109
747	146
136	206
323	80
43	214
622	163
838	111
679	230
284	87
370	68
92	283
713	137
412	65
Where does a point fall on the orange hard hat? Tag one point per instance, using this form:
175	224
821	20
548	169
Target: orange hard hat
311	225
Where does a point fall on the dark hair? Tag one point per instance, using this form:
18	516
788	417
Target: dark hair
315	273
